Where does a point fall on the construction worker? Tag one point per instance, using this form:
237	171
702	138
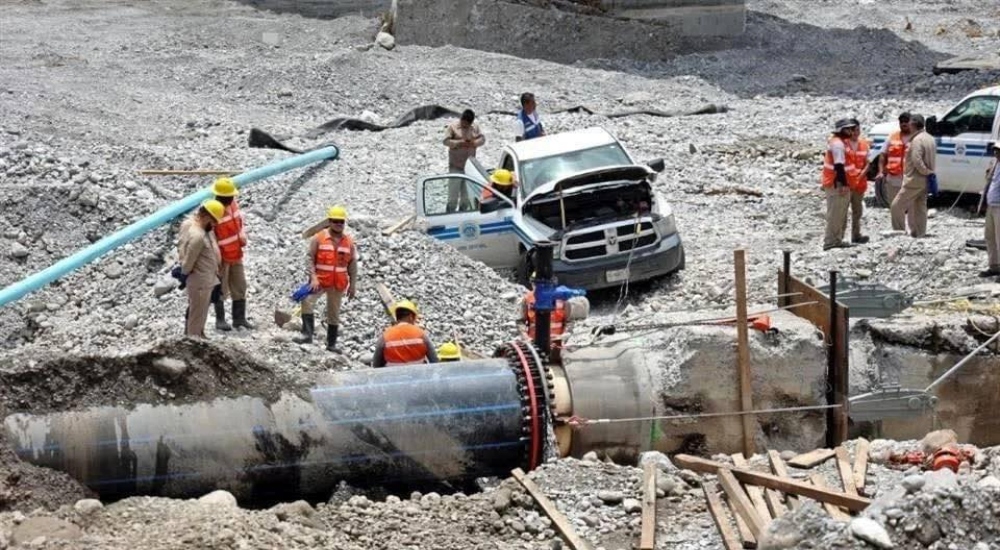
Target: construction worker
890	160
199	257
404	343
991	196
232	238
910	205
528	124
449	352
840	171
462	138
557	318
502	181
333	271
859	152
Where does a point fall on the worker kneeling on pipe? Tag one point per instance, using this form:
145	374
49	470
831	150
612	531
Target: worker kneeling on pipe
404	343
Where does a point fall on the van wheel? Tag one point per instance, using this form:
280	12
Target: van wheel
524	268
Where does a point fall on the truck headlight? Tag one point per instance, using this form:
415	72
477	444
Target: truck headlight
666	225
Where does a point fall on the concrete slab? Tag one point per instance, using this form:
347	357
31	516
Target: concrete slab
968	63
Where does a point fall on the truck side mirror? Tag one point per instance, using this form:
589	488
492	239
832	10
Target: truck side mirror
657	165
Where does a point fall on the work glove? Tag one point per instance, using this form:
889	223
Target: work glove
932	185
176	273
303	291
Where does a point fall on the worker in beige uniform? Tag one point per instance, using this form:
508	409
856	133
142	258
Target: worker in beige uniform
990	199
200	260
462	138
333	271
840	172
910	205
890	167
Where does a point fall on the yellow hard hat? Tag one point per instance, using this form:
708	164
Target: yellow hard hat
224	187
405	305
215	209
449	350
502	177
337	213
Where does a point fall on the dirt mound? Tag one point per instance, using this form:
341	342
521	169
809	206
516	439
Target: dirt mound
27	487
173	371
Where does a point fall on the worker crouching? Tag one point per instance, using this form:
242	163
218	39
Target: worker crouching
404	343
200	261
449	352
333	271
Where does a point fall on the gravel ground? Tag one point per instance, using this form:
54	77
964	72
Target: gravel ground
92	91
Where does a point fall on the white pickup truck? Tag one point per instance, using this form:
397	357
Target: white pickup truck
961	134
579	189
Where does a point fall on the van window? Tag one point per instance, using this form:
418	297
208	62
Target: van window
975	114
448	195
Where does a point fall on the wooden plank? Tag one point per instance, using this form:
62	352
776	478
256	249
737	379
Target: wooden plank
835	512
861	464
749	541
399	225
812	458
647	538
386	297
315	228
743	352
756	493
188	172
846	474
774	502
778	465
854	503
818	314
839	380
560	521
715	507
741	503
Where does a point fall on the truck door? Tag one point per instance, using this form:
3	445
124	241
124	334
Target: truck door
961	152
450	206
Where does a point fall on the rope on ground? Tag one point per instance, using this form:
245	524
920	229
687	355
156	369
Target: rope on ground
579	422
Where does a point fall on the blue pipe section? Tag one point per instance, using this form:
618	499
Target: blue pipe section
165	215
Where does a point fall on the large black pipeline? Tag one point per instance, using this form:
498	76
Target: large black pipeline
440	422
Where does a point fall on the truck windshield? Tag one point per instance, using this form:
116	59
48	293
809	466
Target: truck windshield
537	172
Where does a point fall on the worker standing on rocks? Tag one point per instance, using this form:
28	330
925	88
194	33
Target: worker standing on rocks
910	205
839	173
890	159
991	195
404	343
462	138
333	271
232	238
528	125
859	153
200	261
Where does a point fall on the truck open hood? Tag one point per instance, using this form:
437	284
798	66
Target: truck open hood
597	177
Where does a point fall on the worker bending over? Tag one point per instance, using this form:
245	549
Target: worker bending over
404	343
333	270
449	352
199	258
232	238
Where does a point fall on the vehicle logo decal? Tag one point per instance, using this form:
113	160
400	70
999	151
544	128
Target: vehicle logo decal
959	149
469	230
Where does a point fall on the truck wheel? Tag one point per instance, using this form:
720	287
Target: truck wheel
524	268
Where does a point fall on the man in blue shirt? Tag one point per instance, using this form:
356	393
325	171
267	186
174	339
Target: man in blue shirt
991	194
528	124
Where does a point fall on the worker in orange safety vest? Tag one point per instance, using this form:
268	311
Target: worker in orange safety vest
232	239
891	158
333	271
859	153
502	182
404	343
557	319
840	172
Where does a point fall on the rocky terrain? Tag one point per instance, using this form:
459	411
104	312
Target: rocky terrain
91	92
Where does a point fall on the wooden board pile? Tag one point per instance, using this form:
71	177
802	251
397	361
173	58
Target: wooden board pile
750	500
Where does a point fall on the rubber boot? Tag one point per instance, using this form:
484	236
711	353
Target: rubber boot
308	328
240	315
331	338
220	316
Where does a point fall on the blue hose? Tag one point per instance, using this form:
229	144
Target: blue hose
165	215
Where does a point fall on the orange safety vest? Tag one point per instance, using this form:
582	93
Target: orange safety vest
894	153
404	345
829	174
557	318
860	183
332	261
229	233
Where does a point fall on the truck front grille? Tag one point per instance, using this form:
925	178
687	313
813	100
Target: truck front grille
607	241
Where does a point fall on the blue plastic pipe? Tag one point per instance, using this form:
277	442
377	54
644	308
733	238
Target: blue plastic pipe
165	215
